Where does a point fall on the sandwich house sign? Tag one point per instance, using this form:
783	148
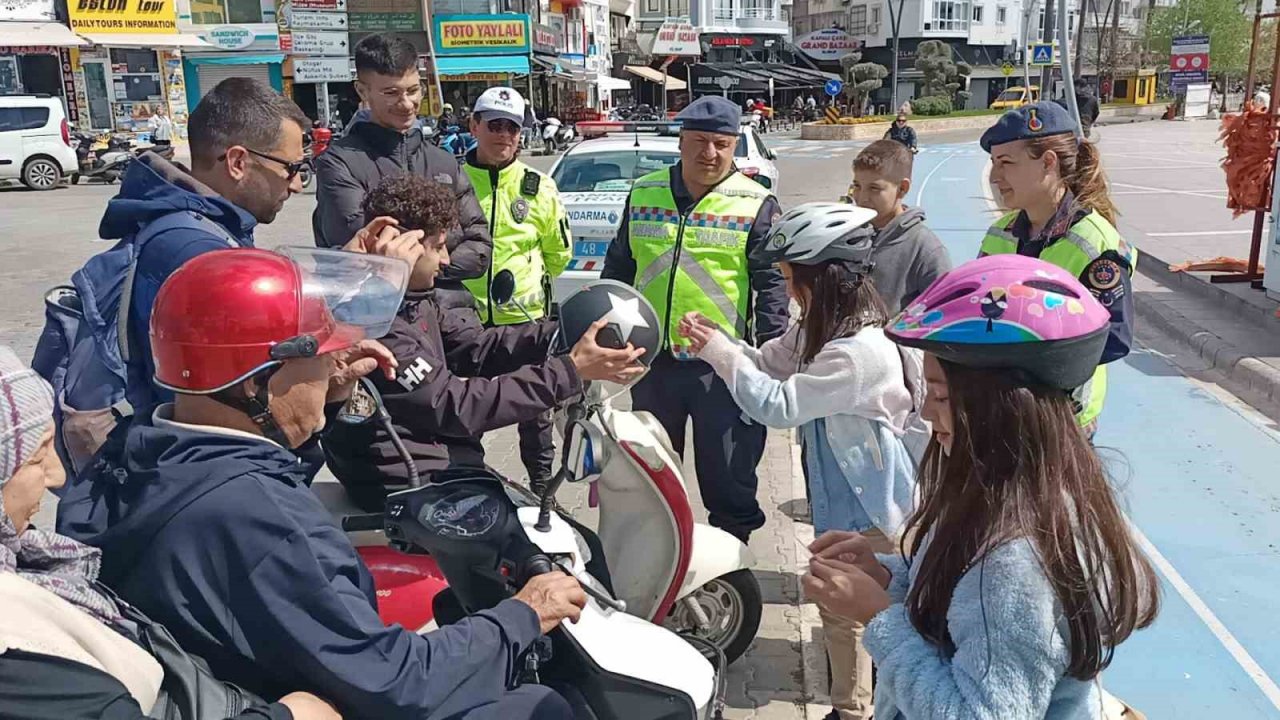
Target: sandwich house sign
123	16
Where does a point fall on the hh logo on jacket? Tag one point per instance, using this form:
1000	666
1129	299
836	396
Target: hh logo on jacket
414	374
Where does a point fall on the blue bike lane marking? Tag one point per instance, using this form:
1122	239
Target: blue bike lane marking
1197	474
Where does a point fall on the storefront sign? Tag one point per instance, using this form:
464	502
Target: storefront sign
479	77
482	34
732	41
321	69
374	15
30	10
677	37
28	50
320	5
309	42
830	44
123	16
313	20
229	37
547	40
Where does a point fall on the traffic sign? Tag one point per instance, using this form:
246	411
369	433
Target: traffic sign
321	69
304	20
1042	54
833	87
320	43
1006	69
331	5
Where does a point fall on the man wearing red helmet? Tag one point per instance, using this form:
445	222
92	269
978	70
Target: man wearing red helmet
207	524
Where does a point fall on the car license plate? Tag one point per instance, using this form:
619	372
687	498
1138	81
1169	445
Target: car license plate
590	248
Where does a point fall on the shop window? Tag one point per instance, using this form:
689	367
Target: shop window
142	87
218	12
26	118
135	61
858	20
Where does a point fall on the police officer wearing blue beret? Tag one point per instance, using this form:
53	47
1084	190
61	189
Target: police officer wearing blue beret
1052	180
684	242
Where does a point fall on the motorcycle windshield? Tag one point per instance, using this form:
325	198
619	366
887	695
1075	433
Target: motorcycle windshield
346	296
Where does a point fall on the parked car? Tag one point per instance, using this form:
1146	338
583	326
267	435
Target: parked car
1015	97
755	159
35	141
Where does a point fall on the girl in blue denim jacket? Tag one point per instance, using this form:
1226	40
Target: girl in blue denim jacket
836	377
1021	577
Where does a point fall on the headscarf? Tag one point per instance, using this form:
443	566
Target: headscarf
56	563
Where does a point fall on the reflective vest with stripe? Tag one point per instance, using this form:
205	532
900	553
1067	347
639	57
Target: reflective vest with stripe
694	262
530	238
1084	242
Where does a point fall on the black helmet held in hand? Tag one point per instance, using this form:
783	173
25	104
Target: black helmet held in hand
629	316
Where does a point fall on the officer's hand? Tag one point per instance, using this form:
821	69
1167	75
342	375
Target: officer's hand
555	597
306	706
354	363
698	329
599	363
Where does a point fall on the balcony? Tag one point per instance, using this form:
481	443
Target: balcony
746	16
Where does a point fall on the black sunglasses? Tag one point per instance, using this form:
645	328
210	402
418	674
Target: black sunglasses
499	125
291	168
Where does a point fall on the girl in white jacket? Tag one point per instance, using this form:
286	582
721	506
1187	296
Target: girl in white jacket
836	377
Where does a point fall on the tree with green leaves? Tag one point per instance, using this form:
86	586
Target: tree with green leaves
860	80
942	73
1228	23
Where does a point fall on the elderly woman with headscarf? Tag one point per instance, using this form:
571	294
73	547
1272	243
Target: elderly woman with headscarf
69	649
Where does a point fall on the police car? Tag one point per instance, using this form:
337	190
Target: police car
595	176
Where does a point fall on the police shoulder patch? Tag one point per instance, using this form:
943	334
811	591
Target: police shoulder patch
1103	274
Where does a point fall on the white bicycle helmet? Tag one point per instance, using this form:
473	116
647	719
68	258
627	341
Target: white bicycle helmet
818	232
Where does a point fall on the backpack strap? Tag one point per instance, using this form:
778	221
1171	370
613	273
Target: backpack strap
172	221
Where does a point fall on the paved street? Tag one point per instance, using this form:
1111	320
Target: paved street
1196	466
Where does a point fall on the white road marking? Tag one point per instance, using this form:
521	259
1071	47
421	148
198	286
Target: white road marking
1110	168
925	183
1191	193
1204	233
1220	631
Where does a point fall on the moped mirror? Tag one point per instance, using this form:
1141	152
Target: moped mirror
503	287
363	405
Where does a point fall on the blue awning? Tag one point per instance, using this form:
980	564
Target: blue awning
237	59
483	64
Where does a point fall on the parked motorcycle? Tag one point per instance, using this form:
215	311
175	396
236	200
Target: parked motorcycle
556	136
321	136
101	156
609	664
455	141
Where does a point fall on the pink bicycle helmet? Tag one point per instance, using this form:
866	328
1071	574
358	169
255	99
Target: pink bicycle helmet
1009	311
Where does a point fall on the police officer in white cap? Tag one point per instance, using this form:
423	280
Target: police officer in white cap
530	238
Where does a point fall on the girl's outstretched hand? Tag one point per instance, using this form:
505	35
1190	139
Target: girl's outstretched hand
844	590
698	329
852	548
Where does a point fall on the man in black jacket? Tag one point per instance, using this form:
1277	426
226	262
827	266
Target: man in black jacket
440	416
387	144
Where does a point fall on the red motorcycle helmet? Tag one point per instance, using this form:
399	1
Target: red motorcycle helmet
227	315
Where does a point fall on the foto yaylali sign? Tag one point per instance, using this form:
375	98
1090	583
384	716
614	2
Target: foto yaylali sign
482	34
677	37
830	44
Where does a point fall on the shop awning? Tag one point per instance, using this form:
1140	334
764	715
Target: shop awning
550	67
237	59
612	83
26	34
655	76
147	40
518	64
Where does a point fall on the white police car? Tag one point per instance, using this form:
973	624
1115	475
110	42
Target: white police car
595	175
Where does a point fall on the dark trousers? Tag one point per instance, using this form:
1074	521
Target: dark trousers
537	447
726	448
527	702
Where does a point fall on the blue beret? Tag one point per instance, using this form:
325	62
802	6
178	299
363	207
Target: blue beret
1037	120
711	113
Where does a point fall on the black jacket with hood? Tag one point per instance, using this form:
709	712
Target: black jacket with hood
215	534
507	379
367	154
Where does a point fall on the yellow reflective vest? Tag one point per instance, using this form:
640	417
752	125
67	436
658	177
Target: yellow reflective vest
1083	243
530	238
694	262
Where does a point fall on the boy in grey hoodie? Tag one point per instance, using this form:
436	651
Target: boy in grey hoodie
908	256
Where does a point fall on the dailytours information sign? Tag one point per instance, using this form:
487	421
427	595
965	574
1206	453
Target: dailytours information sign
123	16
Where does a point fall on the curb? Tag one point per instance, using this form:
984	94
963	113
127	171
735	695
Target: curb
813	656
1239	368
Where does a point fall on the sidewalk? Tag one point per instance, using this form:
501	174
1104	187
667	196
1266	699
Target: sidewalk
1167	182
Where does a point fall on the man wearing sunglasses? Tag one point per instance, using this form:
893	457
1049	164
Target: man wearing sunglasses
247	148
386	141
530	232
